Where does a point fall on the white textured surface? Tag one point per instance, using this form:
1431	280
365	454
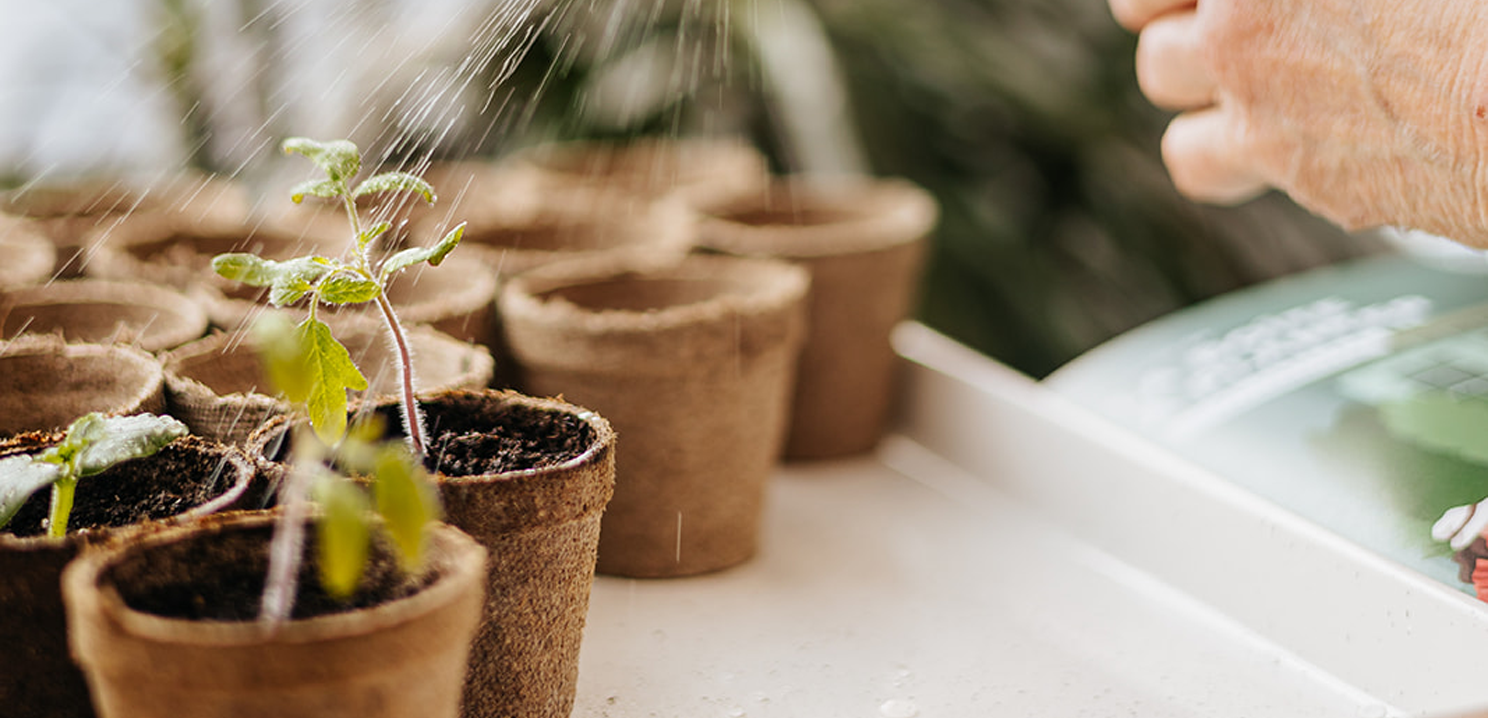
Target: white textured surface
1032	563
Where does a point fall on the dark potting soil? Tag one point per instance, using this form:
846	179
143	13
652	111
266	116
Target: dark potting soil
463	444
174	480
220	577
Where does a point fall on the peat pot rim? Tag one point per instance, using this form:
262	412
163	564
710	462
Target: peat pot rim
457	559
739	287
232	458
854	213
273	431
191	320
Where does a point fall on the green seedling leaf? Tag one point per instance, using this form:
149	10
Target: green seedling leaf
340	159
407	501
342	289
106	441
287	281
395	182
249	269
329	189
277	341
331	372
377	230
296	278
20	478
343	533
433	255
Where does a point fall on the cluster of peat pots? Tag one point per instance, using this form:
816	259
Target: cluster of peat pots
700	319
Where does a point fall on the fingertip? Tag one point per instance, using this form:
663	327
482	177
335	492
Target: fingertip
1207	159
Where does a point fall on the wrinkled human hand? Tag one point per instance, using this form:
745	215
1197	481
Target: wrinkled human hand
1368	112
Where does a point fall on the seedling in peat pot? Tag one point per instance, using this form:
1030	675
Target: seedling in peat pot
92	445
404	497
355	279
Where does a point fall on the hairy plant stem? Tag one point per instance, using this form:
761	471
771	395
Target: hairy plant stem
61	507
413	421
287	546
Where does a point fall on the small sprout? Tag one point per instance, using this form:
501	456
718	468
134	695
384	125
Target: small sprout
92	445
356	279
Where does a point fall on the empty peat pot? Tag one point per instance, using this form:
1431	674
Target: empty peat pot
165	626
863	241
149	316
691	361
46	384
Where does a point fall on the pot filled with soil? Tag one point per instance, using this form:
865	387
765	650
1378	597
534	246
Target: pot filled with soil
691	361
187	479
165	626
863	241
46	383
152	317
529	479
213	384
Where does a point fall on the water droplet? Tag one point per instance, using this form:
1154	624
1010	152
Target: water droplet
896	708
737	713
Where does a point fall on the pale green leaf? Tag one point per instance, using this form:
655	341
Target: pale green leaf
297	277
407	501
106	441
343	535
342	289
375	231
283	356
20	478
395	182
331	373
433	254
249	269
329	189
339	159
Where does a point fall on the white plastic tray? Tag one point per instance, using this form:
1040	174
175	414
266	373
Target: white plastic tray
1006	553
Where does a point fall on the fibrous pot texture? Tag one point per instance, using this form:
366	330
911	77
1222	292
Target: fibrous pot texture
863	241
691	362
151	317
46	384
157	630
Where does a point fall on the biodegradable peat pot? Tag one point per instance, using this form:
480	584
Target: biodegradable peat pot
863	240
154	626
188	478
692	364
528	478
46	384
73	214
151	317
699	169
212	384
29	255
